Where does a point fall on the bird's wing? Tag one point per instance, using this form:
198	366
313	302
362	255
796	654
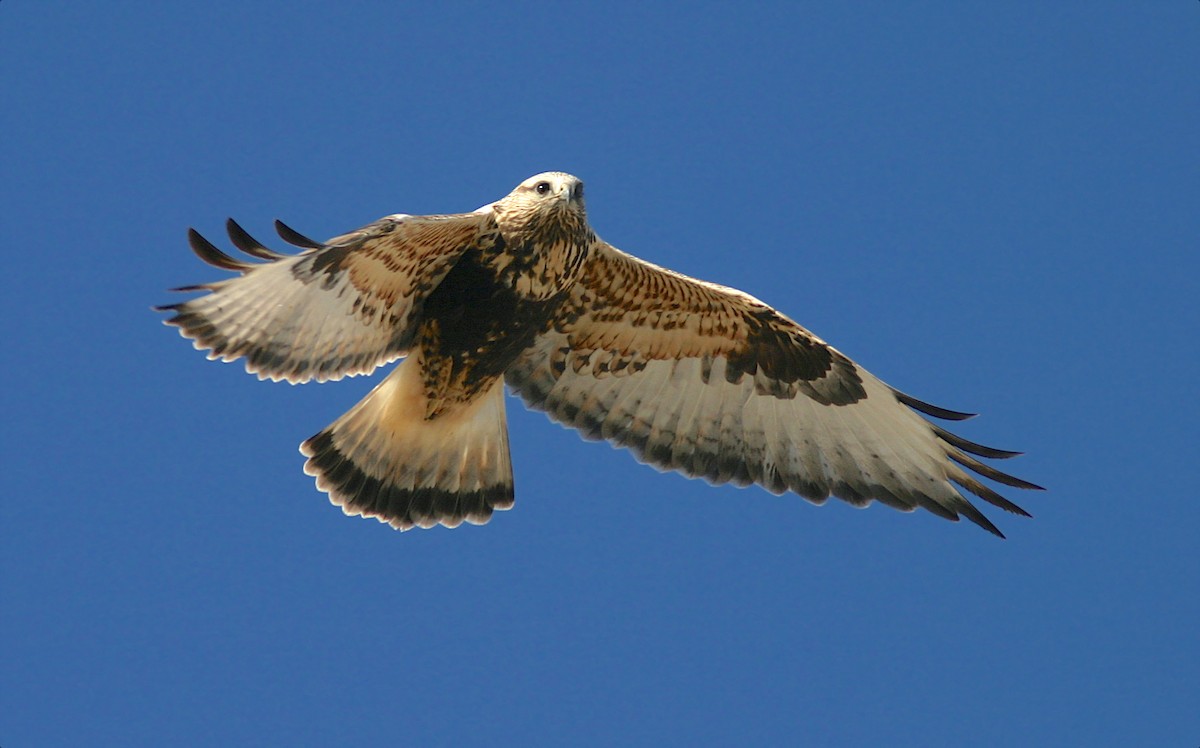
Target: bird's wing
336	309
711	382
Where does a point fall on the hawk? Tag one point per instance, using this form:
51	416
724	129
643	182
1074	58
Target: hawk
690	376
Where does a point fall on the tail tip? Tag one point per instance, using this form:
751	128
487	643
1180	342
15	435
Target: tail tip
359	493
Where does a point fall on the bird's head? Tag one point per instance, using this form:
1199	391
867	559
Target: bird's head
548	202
551	188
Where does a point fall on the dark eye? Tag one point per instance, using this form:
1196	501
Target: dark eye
542	188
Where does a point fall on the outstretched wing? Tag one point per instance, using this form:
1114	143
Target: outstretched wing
711	382
336	309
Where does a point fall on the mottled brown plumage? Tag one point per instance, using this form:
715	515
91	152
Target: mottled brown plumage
689	375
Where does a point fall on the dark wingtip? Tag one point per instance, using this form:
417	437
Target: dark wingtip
987	494
208	252
189	289
969	446
932	410
248	244
294	237
976	516
987	471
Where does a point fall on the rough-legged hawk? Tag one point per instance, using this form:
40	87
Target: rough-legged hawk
691	376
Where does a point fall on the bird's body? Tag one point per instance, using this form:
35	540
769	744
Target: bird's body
689	375
500	294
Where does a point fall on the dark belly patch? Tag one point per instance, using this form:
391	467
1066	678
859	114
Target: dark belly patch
474	327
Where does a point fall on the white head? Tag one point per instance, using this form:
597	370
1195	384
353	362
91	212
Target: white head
552	185
549	204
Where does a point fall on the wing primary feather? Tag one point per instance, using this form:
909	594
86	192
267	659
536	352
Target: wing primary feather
208	252
987	495
930	409
937	508
248	244
972	447
294	237
197	287
968	510
987	471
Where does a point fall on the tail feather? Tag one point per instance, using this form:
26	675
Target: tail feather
383	459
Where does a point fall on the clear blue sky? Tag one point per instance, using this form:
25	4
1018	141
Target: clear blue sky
994	206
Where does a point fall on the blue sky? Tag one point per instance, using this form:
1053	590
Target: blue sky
992	206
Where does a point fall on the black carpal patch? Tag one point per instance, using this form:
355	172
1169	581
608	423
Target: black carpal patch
786	357
329	260
779	353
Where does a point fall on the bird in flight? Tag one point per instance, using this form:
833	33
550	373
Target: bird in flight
690	376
